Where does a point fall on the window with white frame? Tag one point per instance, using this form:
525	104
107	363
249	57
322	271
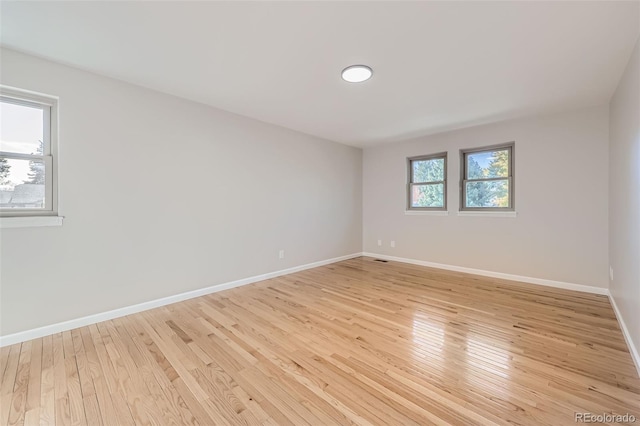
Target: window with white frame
427	186
27	154
487	178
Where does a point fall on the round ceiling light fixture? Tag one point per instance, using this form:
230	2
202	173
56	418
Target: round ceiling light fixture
357	73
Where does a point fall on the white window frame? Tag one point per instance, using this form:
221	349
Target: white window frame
49	105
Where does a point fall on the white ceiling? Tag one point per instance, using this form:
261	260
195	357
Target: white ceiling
437	65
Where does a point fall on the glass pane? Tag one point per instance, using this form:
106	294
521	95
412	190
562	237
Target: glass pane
493	193
430	195
428	170
488	164
22	184
21	128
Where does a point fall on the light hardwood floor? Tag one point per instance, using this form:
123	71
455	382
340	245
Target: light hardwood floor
358	341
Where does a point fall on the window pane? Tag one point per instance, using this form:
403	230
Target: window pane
488	164
430	195
22	184
428	170
493	193
21	129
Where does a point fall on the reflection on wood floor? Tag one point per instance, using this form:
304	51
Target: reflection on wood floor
353	342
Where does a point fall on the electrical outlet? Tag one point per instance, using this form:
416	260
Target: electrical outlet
281	254
611	272
379	243
393	243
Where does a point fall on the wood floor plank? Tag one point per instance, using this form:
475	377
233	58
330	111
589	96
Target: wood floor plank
47	384
356	342
4	360
35	380
19	399
61	394
74	392
8	381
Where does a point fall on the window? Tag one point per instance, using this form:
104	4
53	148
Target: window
487	178
427	187
27	154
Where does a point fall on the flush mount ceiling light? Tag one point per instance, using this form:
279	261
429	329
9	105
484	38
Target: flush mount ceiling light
357	73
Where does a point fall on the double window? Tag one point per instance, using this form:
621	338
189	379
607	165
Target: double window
486	182
427	188
27	154
487	178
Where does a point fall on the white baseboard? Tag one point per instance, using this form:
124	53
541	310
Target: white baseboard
511	277
35	333
633	349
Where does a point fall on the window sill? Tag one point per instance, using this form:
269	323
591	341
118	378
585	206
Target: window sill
30	221
488	214
426	212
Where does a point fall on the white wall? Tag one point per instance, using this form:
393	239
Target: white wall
624	196
162	195
561	174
